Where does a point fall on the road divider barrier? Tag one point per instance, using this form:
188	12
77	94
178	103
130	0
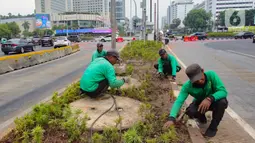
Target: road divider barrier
16	62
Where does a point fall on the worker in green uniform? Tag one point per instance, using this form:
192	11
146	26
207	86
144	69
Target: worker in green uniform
167	65
100	52
100	74
209	94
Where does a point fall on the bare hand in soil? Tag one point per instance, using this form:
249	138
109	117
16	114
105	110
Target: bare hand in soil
168	124
126	80
204	106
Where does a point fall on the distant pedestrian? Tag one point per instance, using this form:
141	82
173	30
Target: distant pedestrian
209	94
100	52
167	65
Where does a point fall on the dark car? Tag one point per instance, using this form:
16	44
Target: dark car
244	35
200	35
17	46
37	41
74	38
47	41
253	39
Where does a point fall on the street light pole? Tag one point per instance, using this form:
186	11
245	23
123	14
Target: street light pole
158	18
135	15
113	23
144	20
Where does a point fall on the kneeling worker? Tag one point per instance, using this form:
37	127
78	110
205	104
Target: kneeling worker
209	94
100	74
100	52
167	65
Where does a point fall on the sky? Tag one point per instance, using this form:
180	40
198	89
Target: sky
27	7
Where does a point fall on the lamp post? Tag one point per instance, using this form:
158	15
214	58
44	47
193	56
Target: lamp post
113	23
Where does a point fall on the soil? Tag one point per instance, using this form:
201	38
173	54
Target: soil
158	93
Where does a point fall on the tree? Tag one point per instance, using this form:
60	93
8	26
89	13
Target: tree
10	15
176	22
14	28
27	33
58	27
4	31
197	19
26	25
75	25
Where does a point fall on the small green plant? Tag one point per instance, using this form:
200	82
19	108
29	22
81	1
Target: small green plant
25	137
169	136
131	136
129	69
97	138
154	140
111	135
37	134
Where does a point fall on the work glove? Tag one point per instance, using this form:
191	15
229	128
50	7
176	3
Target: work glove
126	80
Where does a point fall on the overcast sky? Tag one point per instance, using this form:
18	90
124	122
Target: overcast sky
27	7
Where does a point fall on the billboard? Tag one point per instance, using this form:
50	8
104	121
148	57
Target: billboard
42	21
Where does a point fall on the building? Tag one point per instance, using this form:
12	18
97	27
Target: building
82	20
92	6
20	21
120	10
216	6
200	5
163	22
69	5
168	16
180	9
51	6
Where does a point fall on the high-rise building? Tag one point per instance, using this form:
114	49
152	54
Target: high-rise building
200	5
180	9
216	6
120	10
163	22
168	16
69	5
92	6
50	6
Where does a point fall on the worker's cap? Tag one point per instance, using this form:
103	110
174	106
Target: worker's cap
194	72
100	45
114	54
162	52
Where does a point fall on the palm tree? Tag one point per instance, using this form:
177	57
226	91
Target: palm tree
26	25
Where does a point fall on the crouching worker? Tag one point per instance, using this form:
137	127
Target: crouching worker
209	95
100	74
100	52
167	65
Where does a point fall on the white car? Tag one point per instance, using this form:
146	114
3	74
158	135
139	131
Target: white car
61	42
107	38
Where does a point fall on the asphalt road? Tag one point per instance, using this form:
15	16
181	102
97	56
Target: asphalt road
234	61
24	88
37	48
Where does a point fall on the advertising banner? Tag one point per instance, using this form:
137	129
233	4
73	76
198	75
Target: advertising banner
42	21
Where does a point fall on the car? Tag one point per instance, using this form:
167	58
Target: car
108	38
253	41
17	46
244	35
74	38
200	35
61	42
47	40
37	40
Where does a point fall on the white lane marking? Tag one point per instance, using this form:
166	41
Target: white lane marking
230	111
239	53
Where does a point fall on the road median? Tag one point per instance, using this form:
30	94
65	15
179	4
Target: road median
16	62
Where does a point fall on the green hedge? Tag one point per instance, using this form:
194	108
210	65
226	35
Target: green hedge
221	34
147	51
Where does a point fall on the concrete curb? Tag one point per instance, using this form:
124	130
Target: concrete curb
9	125
16	62
193	129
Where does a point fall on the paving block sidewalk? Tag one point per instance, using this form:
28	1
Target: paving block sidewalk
229	131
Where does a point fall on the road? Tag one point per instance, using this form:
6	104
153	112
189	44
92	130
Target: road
234	61
38	48
24	88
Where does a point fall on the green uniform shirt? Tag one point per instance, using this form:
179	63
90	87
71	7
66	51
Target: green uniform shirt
97	71
172	61
96	54
214	86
